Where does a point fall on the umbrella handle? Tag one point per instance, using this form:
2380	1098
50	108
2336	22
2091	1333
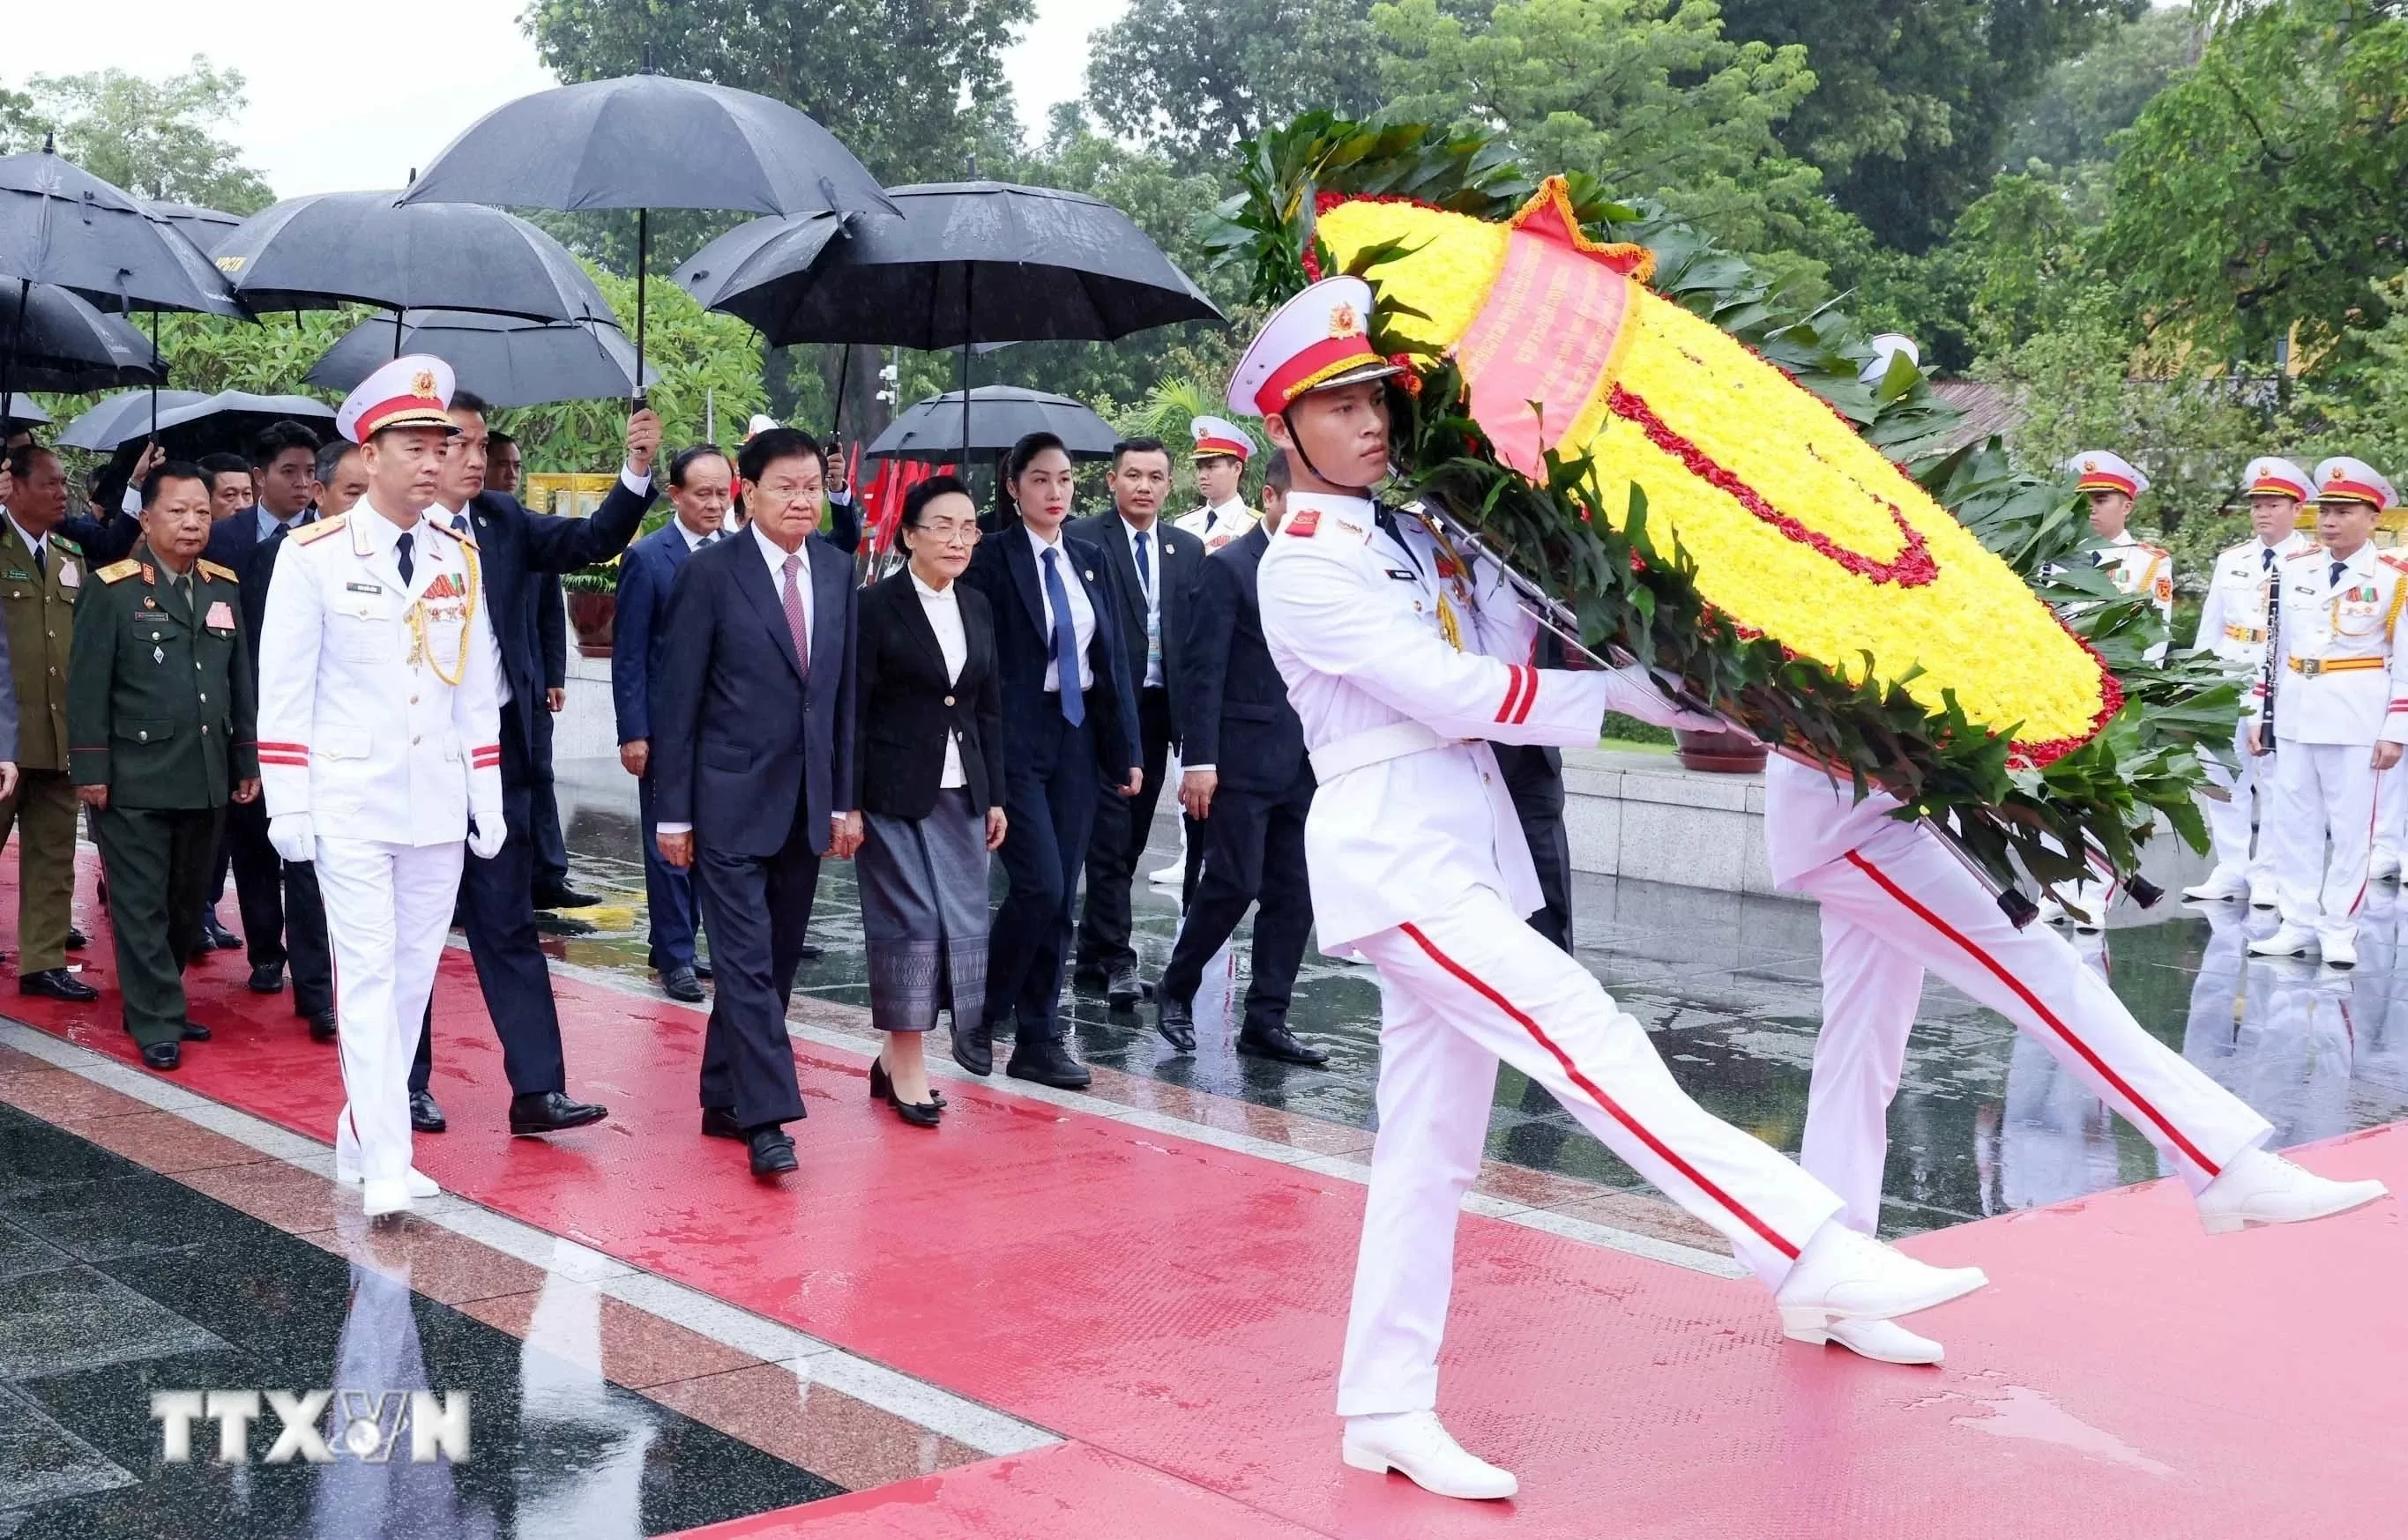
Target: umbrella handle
643	256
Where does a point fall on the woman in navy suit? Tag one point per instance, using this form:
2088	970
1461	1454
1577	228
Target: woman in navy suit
1070	733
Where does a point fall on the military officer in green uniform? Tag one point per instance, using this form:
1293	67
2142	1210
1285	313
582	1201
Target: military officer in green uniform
160	725
41	573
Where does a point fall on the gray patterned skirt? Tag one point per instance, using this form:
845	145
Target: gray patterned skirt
924	914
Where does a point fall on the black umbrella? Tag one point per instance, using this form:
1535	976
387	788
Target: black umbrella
646	142
189	419
335	249
508	362
967	263
64	344
204	227
60	224
998	416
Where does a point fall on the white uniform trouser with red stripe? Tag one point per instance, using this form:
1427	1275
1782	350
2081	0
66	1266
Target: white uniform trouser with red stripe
2391	813
1901	904
2230	824
1458	991
2324	791
388	908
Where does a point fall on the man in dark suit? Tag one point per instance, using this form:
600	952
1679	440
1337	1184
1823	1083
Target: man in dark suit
1150	570
496	894
1069	730
1248	785
753	726
701	486
505	462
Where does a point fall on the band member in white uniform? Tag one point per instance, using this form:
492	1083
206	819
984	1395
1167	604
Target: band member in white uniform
2232	625
1897	903
2340	701
1400	660
379	739
2113	484
1222	451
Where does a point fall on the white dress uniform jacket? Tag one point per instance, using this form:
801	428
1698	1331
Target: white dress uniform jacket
2232	620
1354	624
361	722
1218	525
2141	568
2347	619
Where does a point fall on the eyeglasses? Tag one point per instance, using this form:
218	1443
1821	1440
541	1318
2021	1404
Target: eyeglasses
948	530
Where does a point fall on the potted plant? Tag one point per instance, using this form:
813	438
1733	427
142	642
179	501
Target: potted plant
1726	753
592	606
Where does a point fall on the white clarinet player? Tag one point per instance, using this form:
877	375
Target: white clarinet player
1400	660
2233	625
379	742
2340	703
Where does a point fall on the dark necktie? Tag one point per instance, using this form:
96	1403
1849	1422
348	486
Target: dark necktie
2338	567
1063	647
39	566
401	555
2266	559
1144	564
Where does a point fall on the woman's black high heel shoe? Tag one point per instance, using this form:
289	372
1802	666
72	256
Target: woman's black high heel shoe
918	1114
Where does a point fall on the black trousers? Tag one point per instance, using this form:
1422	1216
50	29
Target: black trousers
284	919
1117	847
1534	777
497	901
757	909
1252	847
1049	804
158	861
543	808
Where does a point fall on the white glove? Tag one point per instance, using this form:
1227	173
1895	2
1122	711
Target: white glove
486	831
1634	692
294	836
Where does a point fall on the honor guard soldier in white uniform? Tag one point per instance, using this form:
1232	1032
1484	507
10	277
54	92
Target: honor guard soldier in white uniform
2339	704
380	741
2233	625
2111	484
1400	660
1222	450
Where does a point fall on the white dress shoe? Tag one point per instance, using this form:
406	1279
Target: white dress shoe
1885	1342
1415	1445
2215	889
418	1184
2052	912
2288	940
2265	897
2384	867
2260	1188
381	1197
2339	951
1842	1276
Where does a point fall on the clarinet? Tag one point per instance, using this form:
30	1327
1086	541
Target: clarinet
2272	590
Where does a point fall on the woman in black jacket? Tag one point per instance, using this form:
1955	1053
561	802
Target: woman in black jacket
930	776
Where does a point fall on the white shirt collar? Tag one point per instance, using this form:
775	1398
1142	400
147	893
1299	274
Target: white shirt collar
1038	544
692	541
383	532
776	556
1235	509
942	595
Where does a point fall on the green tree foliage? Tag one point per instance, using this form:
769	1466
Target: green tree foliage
1191	78
2086	101
21	127
2260	193
1649	97
155	138
1915	99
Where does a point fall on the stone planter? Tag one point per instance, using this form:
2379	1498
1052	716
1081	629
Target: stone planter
593	615
1722	753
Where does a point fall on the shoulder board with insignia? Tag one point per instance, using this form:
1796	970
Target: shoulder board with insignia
1303	524
116	572
2304	552
441	528
318	531
212	569
2393	559
62	543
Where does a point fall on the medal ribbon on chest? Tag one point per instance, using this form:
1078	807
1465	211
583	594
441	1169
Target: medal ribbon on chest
444	591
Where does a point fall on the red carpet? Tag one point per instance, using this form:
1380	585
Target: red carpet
1176	1311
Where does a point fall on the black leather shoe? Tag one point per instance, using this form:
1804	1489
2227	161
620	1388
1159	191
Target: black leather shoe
881	1089
58	984
974	1049
720	1123
680	984
268	978
1048	1062
1176	1020
425	1116
557	924
701	969
552	1112
218	936
162	1055
1087	980
321	1025
77	940
1279	1044
560	895
194	1032
773	1153
1126	989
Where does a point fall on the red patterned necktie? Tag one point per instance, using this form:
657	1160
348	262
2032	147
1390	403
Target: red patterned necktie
794	623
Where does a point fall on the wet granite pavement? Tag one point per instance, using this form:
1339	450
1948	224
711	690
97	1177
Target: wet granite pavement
1727	988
